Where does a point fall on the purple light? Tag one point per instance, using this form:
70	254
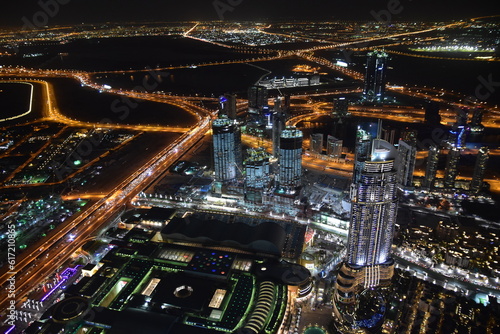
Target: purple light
65	275
53	289
10	329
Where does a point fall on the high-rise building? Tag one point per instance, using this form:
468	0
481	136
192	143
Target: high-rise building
277	128
257	174
479	170
340	107
373	214
333	147
376	68
458	132
278	104
477	120
226	149
362	149
451	171
227	106
257	98
389	135
374	202
405	162
461	117
432	167
290	158
257	169
316	143
409	137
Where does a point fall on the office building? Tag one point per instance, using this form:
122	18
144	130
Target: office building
257	98
362	149
257	169
375	76
409	137
477	120
257	175
340	107
316	143
227	106
451	171
226	149
389	135
479	170
405	163
373	214
290	158
458	132
277	128
333	147
431	167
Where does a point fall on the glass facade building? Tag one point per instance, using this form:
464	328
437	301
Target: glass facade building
479	169
376	68
290	158
373	207
226	149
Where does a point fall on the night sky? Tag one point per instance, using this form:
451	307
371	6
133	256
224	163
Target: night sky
95	11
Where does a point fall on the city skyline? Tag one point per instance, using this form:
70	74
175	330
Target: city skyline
233	175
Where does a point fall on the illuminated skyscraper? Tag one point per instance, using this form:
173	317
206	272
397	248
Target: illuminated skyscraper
374	202
226	149
376	68
340	107
432	167
227	106
257	174
316	143
257	169
257	98
333	147
290	158
373	214
458	132
479	170
405	163
277	128
451	171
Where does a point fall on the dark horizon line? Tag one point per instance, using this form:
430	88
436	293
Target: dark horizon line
264	21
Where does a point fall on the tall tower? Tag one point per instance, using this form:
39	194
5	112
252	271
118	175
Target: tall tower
451	167
257	98
373	214
376	68
334	147
277	128
431	168
479	170
226	149
290	158
405	162
340	107
458	132
316	143
227	106
257	174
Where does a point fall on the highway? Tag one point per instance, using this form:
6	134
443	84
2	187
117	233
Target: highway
39	260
